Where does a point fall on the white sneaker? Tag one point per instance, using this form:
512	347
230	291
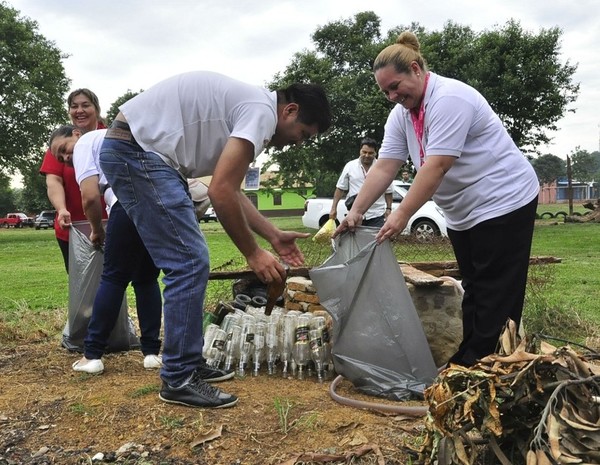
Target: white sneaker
152	361
93	367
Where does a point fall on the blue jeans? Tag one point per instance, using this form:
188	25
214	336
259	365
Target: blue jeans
126	260
157	199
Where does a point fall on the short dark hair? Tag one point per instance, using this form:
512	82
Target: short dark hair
313	104
65	130
369	142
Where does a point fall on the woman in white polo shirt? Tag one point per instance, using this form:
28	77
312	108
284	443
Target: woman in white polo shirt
466	160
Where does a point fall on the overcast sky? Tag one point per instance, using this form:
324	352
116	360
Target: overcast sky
114	46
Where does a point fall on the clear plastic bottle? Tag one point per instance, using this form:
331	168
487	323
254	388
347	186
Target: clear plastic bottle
215	353
246	343
301	351
209	334
232	347
259	346
272	344
317	351
286	341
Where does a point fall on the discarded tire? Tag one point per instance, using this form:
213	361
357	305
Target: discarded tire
259	301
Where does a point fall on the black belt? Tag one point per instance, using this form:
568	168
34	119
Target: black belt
120	130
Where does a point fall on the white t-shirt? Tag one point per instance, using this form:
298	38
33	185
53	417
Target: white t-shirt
86	163
351	180
490	176
188	118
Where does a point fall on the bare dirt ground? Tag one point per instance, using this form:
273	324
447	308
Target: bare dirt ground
51	415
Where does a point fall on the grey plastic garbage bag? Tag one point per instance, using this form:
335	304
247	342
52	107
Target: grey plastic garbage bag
378	340
85	269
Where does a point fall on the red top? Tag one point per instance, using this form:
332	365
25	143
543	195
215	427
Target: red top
50	165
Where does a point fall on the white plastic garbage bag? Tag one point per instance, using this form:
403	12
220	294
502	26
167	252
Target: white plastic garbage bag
378	340
85	269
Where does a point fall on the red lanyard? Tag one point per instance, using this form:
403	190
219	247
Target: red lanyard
418	120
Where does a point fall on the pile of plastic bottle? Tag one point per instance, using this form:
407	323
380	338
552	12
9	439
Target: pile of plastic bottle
288	341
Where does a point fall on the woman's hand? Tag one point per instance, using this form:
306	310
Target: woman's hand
350	223
394	224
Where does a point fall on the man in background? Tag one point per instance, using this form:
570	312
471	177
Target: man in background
351	180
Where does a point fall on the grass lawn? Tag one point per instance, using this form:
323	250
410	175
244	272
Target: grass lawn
34	284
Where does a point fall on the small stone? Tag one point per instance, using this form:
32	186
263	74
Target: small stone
41	451
98	457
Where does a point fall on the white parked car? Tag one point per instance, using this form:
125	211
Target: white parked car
209	215
429	220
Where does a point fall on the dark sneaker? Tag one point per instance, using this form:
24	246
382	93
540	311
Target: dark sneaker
196	392
213	375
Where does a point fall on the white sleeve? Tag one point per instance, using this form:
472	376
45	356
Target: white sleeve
83	161
394	143
344	181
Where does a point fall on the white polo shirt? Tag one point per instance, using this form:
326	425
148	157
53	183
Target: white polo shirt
352	178
187	119
490	177
86	163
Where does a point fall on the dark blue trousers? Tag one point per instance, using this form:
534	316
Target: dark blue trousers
126	260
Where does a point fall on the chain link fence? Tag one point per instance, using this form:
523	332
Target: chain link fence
406	249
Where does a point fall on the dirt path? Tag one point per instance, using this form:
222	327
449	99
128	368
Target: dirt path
52	415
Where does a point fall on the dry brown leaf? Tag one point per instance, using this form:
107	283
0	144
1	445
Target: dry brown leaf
570	443
586	417
506	343
574	424
469	402
212	434
459	449
358	440
552	428
568	458
547	349
346	426
542	458
531	458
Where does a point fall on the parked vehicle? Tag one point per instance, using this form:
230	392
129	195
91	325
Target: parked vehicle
209	215
16	220
429	220
45	219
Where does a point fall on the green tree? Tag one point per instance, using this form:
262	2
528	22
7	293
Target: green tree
549	168
517	71
34	196
342	63
520	74
7	196
113	111
585	165
32	85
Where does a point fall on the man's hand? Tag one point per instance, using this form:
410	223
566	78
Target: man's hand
64	218
266	267
285	246
97	238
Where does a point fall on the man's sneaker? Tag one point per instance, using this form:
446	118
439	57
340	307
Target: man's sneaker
196	392
93	366
213	375
152	361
